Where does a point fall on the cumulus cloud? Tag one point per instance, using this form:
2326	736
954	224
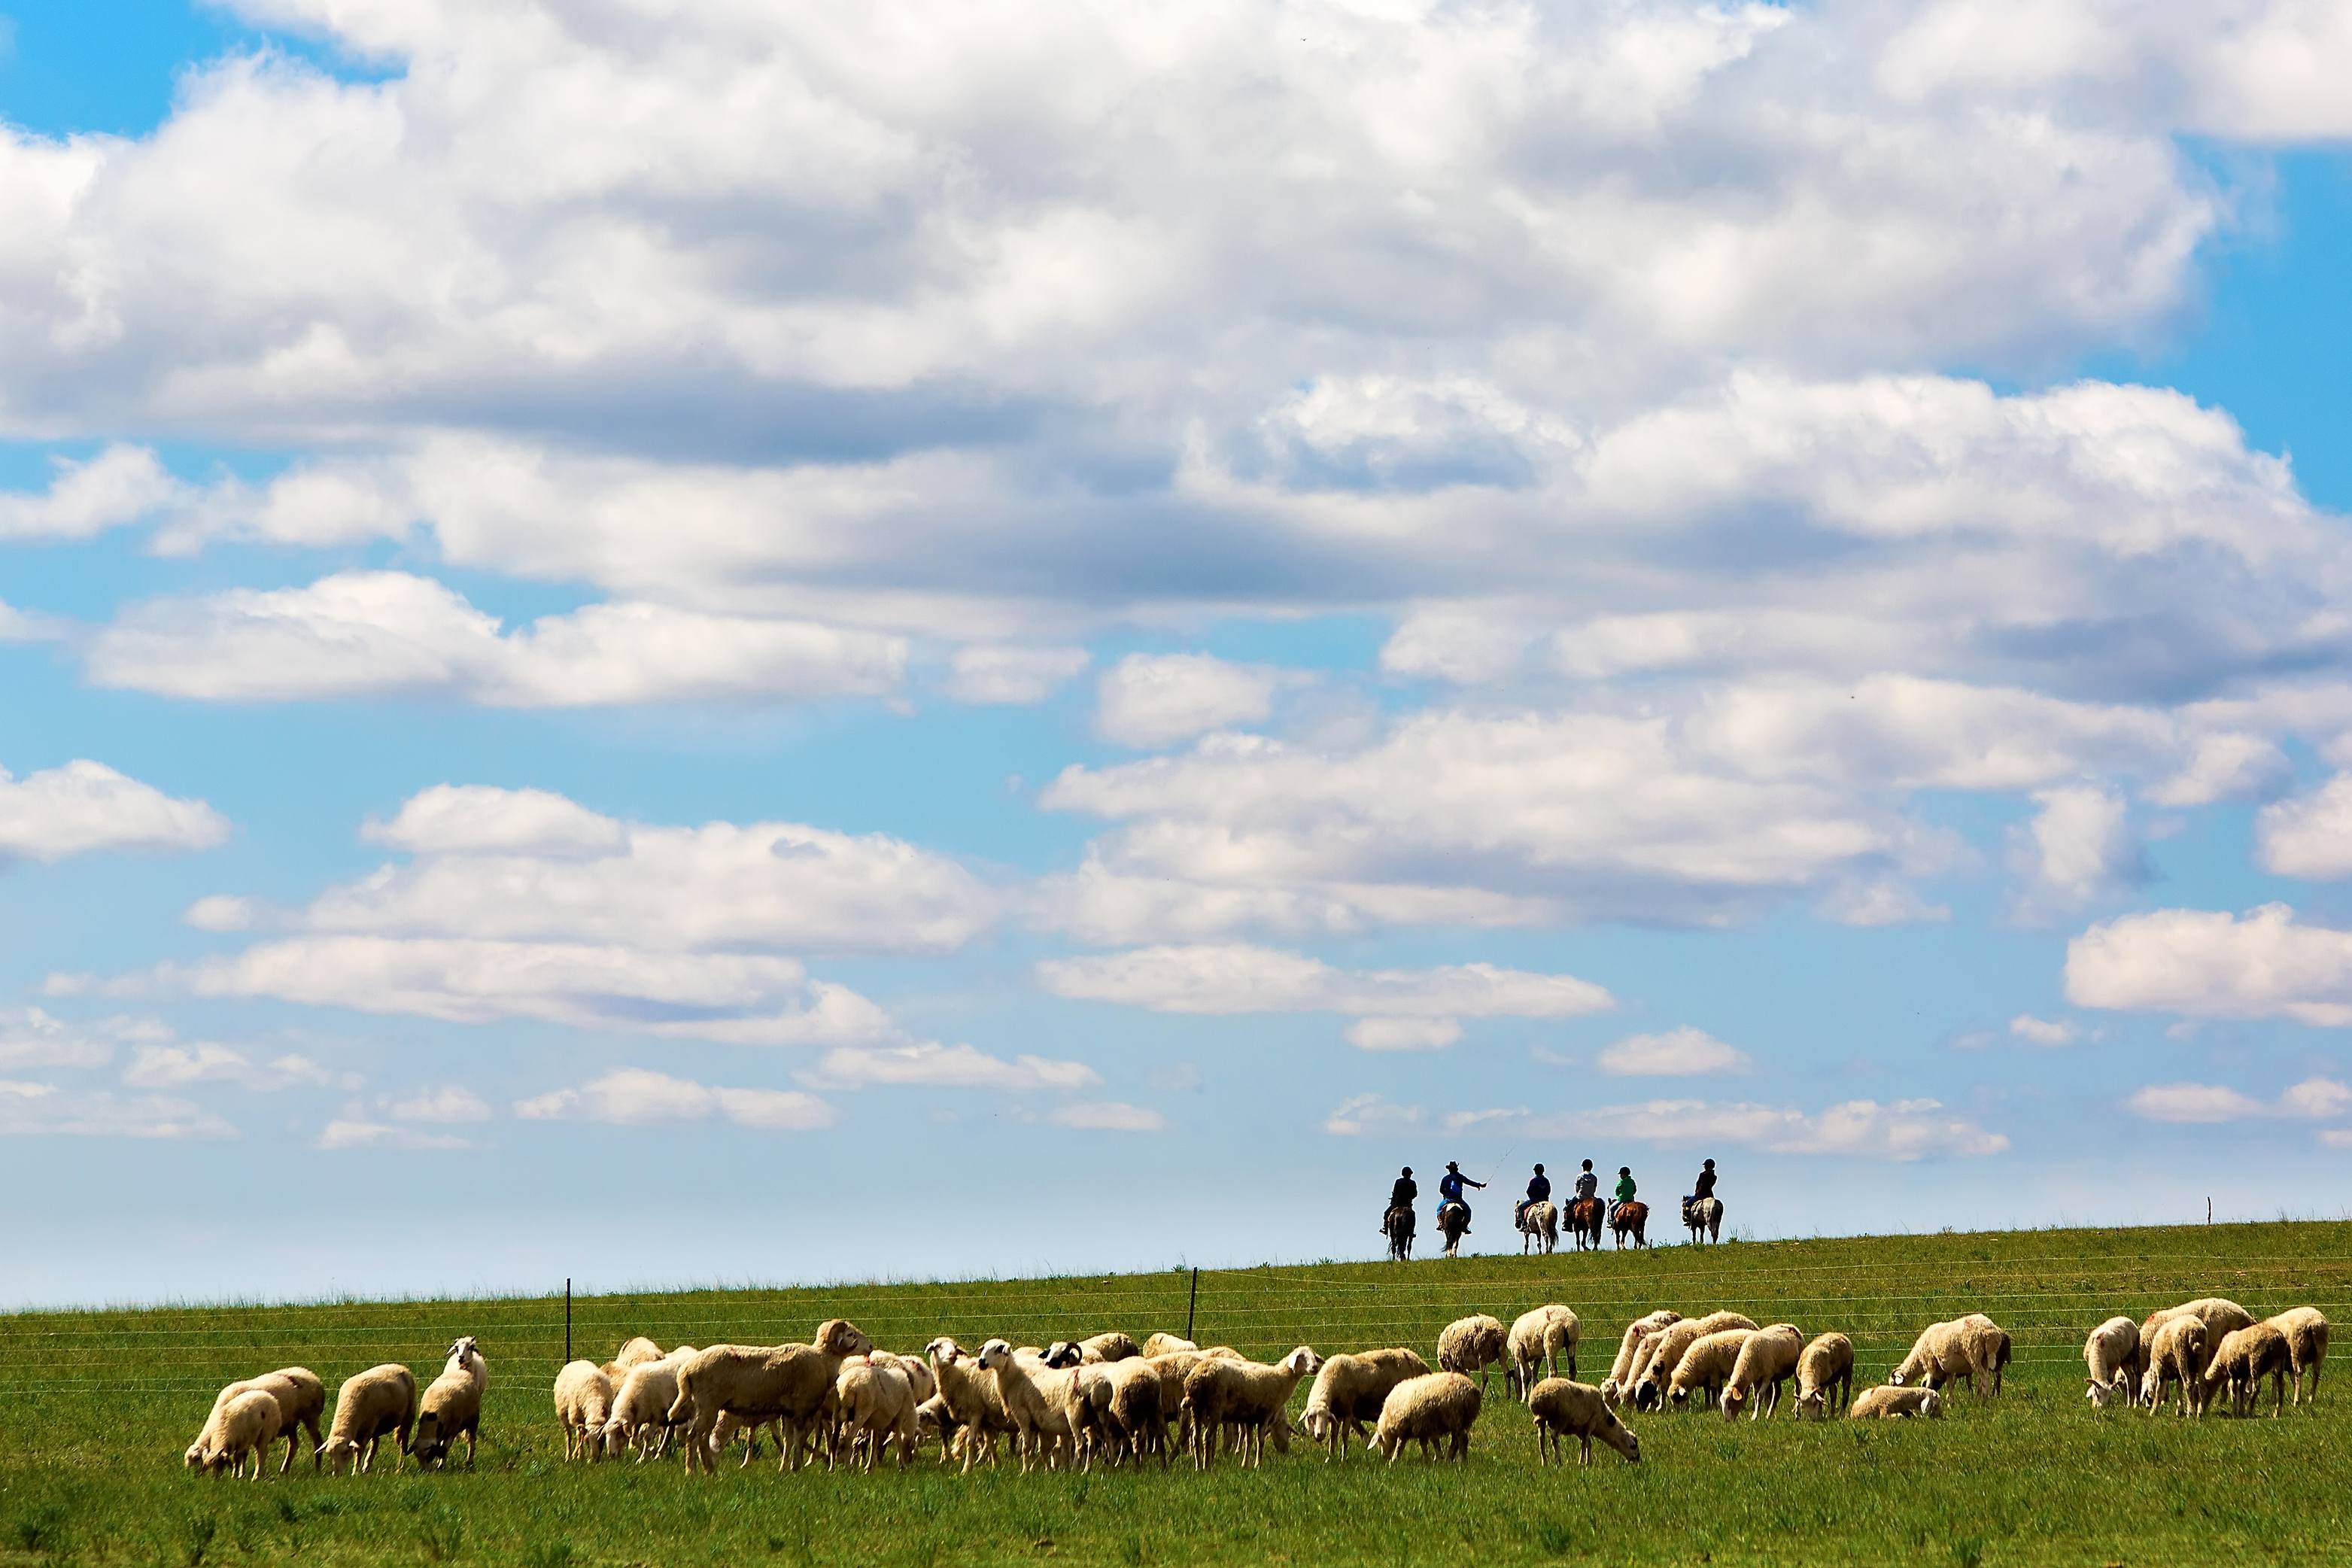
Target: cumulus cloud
634	1096
2206	964
2079	847
1012	675
932	1065
1235	978
37	1110
2043	1031
1903	1130
1151	699
1107	1116
1678	1053
1403	1034
119	484
222	912
2309	835
86	806
30	1037
456	819
175	1067
2314	1099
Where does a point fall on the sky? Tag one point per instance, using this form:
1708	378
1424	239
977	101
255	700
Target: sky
668	643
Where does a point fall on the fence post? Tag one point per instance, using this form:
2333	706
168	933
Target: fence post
1193	1302
567	1323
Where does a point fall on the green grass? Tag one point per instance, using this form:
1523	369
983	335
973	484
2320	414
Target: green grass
95	1408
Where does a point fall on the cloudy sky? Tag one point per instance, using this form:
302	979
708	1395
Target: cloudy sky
662	642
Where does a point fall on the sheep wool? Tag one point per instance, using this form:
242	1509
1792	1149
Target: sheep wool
1825	1377
1437	1410
1564	1409
378	1403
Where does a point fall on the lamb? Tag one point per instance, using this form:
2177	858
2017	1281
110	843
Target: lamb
757	1384
2219	1315
1895	1401
934	1419
2175	1356
247	1422
301	1403
370	1405
1539	1341
1247	1395
584	1404
1112	1346
2245	1357
2115	1361
1663	1351
1472	1344
1350	1390
878	1405
1039	1399
1122	1404
2307	1341
1973	1348
638	1352
452	1405
1563	1408
1162	1344
1439	1407
1768	1360
1825	1377
1620	1371
972	1399
1706	1365
640	1413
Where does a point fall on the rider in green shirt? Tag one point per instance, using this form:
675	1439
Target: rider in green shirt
1624	1187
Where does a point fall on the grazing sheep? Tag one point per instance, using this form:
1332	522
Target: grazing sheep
641	1406
791	1383
247	1423
584	1404
638	1352
1562	1409
1472	1344
1112	1346
1038	1398
1664	1350
2219	1315
1350	1390
2307	1341
2113	1360
2248	1355
452	1406
1621	1370
1439	1407
2177	1355
301	1403
370	1405
1246	1395
1893	1401
1973	1349
1540	1341
1162	1344
1767	1360
1705	1366
878	1405
1825	1377
972	1399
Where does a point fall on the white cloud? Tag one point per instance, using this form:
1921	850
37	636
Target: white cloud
1902	1130
2336	1137
2314	1099
1403	1034
222	912
1368	1115
33	1038
2213	965
634	1096
1678	1053
2043	1031
450	1103
1470	647
120	484
2080	846
474	818
2226	765
2309	835
1153	700
36	1110
933	1065
1012	675
174	1067
345	1132
374	633
1107	1116
1241	979
86	806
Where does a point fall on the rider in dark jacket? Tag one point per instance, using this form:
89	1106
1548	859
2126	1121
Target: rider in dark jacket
1449	1190
1539	1189
1705	1187
1400	1197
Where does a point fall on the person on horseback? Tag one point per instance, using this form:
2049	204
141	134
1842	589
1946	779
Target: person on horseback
1539	1189
1449	1190
1587	1183
1624	1190
1706	1189
1400	1197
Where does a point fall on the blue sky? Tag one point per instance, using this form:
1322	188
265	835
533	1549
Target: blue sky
808	642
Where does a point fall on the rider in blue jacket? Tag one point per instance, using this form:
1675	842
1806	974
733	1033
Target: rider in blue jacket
1449	1190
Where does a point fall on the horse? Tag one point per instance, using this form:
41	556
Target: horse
1539	1221
1452	1221
1584	1217
1632	1216
1398	1225
1705	1218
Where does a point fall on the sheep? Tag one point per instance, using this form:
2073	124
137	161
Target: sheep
878	1405
1112	1346
452	1406
641	1404
1038	1398
2245	1357
1973	1348
1767	1360
1620	1371
1472	1344
2175	1356
1540	1340
1825	1377
247	1422
789	1384
1121	1403
584	1404
1162	1344
1174	1367
1893	1401
934	1419
1663	1351
1705	1366
1350	1390
971	1398
2113	1360
368	1406
1438	1407
638	1352
1563	1408
301	1403
1221	1391
2307	1341
2219	1315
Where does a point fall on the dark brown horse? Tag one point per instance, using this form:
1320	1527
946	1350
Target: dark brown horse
1584	1217
1453	1223
1399	1225
1631	1218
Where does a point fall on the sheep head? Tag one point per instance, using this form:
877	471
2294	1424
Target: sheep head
1062	1355
1302	1362
838	1338
995	1353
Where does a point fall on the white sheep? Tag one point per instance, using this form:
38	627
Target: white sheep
1039	1399
1706	1367
1620	1371
2219	1315
1224	1393
640	1414
1660	1353
584	1404
247	1423
791	1384
2248	1355
2177	1355
1541	1341
2306	1341
1896	1401
1825	1377
1973	1349
1767	1360
1162	1344
1350	1390
877	1406
1438	1408
1121	1405
2113	1361
1472	1344
972	1400
1564	1409
370	1405
301	1403
637	1351
1111	1346
452	1405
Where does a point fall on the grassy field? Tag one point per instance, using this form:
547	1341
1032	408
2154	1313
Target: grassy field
95	1408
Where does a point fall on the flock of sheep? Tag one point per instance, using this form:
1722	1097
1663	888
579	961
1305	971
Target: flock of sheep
1106	1398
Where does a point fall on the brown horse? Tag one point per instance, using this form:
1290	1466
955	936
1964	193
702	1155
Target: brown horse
1584	1217
1453	1223
1399	1225
1632	1217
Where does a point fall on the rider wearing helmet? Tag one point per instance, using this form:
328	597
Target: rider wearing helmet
1705	1187
1624	1190
1400	1197
1449	1190
1539	1189
1587	1183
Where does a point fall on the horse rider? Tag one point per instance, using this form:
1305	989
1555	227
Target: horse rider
1704	1188
1449	1190
1539	1189
1587	1183
1624	1190
1400	1197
